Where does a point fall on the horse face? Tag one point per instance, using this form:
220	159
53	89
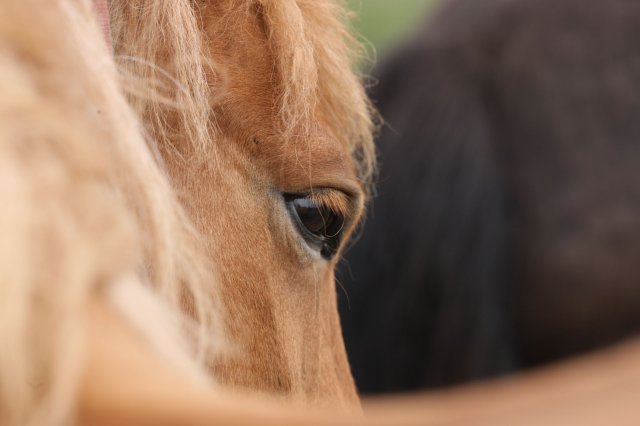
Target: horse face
275	207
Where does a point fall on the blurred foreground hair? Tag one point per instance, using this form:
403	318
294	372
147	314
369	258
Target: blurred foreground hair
85	205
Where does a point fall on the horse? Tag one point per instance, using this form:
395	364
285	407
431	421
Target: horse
250	166
271	154
505	230
113	310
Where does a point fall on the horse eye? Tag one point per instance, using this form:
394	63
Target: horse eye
320	226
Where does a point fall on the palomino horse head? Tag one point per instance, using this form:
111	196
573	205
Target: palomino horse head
273	172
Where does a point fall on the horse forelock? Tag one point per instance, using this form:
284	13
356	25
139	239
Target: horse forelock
161	47
316	55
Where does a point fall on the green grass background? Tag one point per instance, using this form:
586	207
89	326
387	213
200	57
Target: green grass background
385	23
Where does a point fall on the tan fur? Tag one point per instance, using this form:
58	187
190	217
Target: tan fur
261	101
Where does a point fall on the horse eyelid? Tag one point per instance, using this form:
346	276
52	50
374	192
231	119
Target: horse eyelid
335	200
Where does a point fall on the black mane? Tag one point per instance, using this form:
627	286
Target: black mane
506	231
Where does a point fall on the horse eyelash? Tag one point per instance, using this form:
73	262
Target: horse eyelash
334	200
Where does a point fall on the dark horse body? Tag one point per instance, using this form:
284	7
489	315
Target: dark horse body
506	231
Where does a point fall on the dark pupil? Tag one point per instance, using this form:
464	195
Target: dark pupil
312	216
321	225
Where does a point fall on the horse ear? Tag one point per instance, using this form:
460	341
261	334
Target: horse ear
432	262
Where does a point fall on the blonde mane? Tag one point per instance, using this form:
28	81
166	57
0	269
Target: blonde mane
84	204
160	45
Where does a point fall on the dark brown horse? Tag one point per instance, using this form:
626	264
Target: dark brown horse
506	231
